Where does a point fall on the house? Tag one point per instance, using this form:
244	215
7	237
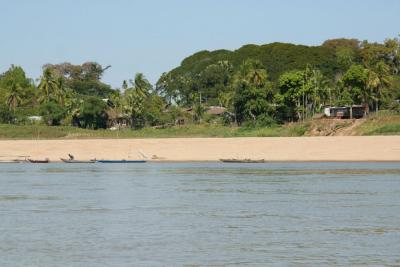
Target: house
345	112
117	120
215	110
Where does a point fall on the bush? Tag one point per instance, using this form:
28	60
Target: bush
395	107
6	116
261	121
93	113
52	113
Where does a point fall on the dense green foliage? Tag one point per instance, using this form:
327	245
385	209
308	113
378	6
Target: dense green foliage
52	113
384	123
295	81
258	85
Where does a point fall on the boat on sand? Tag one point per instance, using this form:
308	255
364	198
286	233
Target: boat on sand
11	161
242	160
120	161
77	161
71	159
46	160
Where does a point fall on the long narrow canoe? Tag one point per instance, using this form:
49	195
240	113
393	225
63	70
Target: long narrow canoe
39	160
12	161
121	161
242	160
77	161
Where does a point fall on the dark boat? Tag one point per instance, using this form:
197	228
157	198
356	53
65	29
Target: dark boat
77	161
242	160
121	161
39	160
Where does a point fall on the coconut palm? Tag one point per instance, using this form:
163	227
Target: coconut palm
141	84
135	98
61	91
225	99
379	79
124	85
319	94
253	73
48	86
13	96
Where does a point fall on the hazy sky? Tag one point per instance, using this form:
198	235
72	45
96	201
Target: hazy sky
153	36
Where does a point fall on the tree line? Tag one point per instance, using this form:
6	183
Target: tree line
258	85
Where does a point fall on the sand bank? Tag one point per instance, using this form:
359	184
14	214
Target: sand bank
340	148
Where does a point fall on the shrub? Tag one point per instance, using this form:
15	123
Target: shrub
93	113
52	113
6	116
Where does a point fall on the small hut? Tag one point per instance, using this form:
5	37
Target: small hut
345	112
117	120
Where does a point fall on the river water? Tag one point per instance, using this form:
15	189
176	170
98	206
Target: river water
200	214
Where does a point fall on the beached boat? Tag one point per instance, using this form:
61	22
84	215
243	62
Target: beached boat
77	161
39	160
11	161
121	161
242	160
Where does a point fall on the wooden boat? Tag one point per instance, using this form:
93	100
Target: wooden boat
39	160
121	161
11	161
242	160
77	161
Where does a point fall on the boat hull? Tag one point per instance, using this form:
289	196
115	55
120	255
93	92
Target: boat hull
242	161
38	161
12	161
121	161
77	161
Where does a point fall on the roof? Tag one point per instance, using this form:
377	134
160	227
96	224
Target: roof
341	107
216	110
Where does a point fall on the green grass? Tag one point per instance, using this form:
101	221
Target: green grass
386	130
205	130
383	123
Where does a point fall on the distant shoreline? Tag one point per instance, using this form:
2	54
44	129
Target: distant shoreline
271	149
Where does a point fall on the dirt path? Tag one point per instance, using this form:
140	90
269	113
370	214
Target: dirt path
350	129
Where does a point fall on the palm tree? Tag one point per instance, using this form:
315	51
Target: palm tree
225	99
124	85
320	93
61	91
378	80
253	73
135	98
141	84
48	86
13	97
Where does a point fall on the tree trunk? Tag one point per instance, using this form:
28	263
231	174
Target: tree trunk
351	111
306	107
303	107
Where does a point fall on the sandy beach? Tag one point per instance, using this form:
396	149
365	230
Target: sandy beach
340	148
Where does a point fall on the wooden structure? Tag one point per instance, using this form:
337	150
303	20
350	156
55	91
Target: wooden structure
346	112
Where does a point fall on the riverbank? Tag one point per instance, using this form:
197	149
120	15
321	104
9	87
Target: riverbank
338	148
384	123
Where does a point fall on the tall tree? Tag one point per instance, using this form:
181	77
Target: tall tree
13	96
378	82
253	97
48	87
15	76
355	84
135	98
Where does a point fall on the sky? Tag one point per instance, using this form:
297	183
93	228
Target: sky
154	36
